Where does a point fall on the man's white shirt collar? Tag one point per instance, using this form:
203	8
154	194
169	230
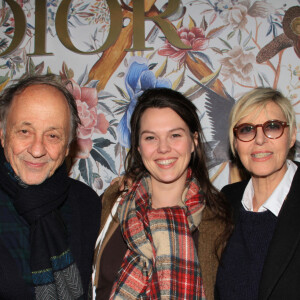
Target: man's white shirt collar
275	201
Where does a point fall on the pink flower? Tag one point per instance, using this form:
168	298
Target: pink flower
238	65
194	37
236	16
86	101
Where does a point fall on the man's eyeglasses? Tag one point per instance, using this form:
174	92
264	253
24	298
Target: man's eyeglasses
272	129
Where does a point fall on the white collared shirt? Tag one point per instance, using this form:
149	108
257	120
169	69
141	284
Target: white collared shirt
275	201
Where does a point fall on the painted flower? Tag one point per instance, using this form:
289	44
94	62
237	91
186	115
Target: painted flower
234	14
261	9
138	79
194	37
86	101
238	64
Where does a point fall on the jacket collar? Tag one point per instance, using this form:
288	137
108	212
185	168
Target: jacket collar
285	240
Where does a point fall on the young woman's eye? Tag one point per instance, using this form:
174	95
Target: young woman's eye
149	138
175	135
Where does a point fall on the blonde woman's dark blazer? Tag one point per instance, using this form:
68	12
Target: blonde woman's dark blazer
281	271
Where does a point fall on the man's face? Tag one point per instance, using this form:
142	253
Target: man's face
37	133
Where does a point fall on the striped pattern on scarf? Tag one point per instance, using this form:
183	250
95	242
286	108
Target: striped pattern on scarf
54	272
161	262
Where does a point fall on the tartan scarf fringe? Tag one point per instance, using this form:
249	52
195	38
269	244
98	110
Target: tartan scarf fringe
161	261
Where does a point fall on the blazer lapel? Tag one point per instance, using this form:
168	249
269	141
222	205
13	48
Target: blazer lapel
234	194
284	241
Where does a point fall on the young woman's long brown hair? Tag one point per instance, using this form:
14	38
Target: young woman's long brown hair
134	167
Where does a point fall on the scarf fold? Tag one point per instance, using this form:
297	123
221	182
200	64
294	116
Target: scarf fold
54	271
162	260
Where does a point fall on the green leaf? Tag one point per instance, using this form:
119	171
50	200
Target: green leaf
103	158
113	122
205	58
249	48
152	66
261	80
120	110
112	132
103	107
122	92
247	39
4	78
239	37
117	149
230	35
225	43
90	172
191	55
83	169
102	142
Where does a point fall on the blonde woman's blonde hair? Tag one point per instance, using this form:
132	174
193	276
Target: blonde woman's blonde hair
256	100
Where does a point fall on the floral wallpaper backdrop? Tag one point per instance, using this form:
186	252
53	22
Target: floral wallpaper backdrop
234	46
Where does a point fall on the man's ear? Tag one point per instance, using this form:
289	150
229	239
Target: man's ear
67	151
2	137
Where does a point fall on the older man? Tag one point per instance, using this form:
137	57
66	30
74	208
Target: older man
48	221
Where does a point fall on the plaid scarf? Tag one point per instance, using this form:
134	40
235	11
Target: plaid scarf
162	261
55	274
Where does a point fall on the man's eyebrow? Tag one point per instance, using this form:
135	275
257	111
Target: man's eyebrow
26	123
54	128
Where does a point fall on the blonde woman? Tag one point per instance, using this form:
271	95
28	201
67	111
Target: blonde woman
262	257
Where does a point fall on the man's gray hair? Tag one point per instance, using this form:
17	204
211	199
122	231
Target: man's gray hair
17	88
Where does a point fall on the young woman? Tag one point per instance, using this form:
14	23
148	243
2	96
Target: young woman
158	239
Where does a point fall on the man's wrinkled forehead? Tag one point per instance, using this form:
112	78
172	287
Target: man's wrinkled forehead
39	102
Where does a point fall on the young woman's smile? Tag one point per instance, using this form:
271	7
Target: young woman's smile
165	145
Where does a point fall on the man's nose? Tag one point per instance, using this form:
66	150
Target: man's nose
37	147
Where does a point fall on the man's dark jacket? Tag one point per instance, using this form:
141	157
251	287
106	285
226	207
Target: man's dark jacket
83	222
